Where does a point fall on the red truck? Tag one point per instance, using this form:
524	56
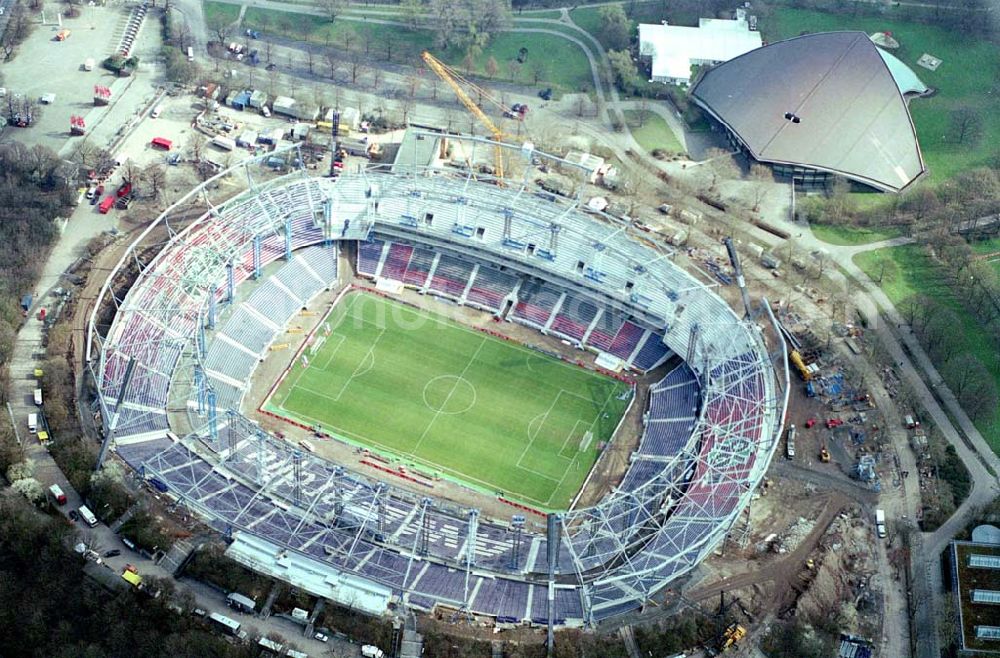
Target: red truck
106	204
57	494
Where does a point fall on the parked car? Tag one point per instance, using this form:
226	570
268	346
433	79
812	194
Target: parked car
322	637
114	552
73	515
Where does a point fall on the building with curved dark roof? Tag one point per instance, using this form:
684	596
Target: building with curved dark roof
816	106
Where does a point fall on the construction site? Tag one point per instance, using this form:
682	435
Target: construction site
777	469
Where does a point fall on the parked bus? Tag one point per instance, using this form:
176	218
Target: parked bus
87	516
161	143
57	494
229	626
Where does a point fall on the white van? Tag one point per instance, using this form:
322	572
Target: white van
32	423
87	516
190	53
157	111
38	397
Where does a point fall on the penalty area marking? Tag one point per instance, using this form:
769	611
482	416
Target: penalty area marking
336	348
366	365
568	441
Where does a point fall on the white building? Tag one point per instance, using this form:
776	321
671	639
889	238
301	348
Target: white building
672	49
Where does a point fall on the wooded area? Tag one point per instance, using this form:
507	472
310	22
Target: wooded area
50	608
35	188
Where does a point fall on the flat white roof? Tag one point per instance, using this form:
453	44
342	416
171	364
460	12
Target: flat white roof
673	47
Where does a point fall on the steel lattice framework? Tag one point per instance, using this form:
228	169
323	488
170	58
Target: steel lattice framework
153	368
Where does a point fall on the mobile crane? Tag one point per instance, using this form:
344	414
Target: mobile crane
454	80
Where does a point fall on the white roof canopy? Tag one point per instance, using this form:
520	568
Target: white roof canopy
675	48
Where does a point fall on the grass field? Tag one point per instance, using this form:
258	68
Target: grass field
652	131
478	409
562	64
916	272
853	235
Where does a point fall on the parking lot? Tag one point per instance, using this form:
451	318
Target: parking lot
93	34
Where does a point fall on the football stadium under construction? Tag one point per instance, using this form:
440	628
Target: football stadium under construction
179	330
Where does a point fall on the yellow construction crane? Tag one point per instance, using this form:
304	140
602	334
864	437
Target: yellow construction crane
452	79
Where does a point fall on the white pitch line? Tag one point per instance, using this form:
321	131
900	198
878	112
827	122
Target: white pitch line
458	381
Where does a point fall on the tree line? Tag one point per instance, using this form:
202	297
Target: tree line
36	187
51	608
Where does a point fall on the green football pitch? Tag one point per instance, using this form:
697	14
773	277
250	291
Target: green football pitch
465	405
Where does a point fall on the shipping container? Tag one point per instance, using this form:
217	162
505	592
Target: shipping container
237	601
225	143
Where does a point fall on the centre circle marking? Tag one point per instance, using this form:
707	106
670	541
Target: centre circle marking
449	394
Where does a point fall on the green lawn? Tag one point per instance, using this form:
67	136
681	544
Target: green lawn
917	273
562	64
643	11
538	13
652	131
989	247
986	246
851	235
218	12
963	79
587	18
483	411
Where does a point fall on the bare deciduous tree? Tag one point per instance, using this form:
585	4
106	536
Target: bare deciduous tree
154	176
333	8
966	125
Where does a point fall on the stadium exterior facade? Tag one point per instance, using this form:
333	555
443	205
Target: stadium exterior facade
172	368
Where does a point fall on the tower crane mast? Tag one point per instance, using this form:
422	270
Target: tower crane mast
452	79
